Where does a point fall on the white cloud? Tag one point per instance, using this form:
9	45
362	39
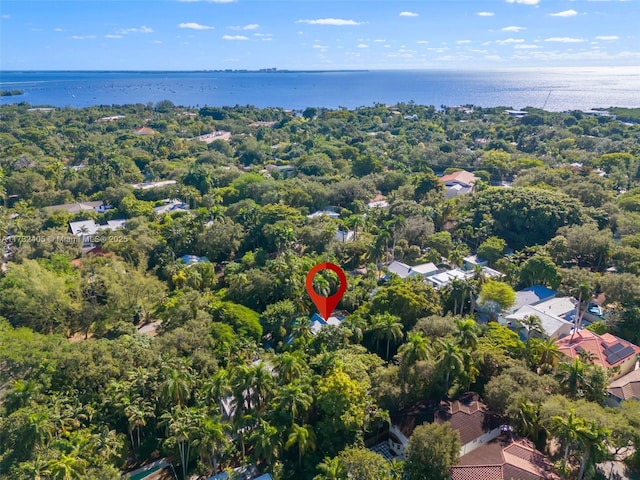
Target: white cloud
422	42
195	26
83	37
513	28
525	47
363	45
508	41
263	35
114	36
57	29
142	29
330	21
251	26
461	42
157	42
485	14
322	48
6	17
564	40
565	13
409	14
607	37
234	37
379	40
525	2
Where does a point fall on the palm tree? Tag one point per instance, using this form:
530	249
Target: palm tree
542	354
355	222
290	366
137	414
330	469
179	424
387	327
574	376
302	329
292	401
302	437
532	323
467	334
261	386
416	349
40	429
356	324
568	429
584	291
218	388
212	440
531	425
450	360
67	467
265	440
176	386
592	438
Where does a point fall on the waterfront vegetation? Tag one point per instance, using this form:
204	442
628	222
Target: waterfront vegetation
84	395
11	93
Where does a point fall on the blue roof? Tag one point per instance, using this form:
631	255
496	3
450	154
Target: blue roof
541	291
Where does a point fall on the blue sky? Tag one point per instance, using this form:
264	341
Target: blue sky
315	35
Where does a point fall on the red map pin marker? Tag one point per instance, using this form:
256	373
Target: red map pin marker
326	305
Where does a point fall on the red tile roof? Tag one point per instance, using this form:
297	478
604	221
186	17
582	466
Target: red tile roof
608	350
504	459
461	176
468	416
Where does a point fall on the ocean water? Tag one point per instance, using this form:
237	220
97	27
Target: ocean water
551	89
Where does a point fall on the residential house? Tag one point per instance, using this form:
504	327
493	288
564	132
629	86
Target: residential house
327	212
77	207
531	296
148	185
458	183
617	356
345	236
516	113
467	415
626	387
472	262
171	206
403	270
471	418
144	131
317	322
379	201
112	118
193	259
443	278
90	232
556	316
285	171
504	458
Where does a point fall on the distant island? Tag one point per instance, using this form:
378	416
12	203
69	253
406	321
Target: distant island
10	93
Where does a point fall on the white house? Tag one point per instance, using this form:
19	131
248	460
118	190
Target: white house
89	230
326	213
171	206
403	270
556	316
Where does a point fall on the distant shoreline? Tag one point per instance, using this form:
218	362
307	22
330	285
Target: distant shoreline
11	93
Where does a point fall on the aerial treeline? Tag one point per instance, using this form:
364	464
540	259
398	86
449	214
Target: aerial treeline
232	372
